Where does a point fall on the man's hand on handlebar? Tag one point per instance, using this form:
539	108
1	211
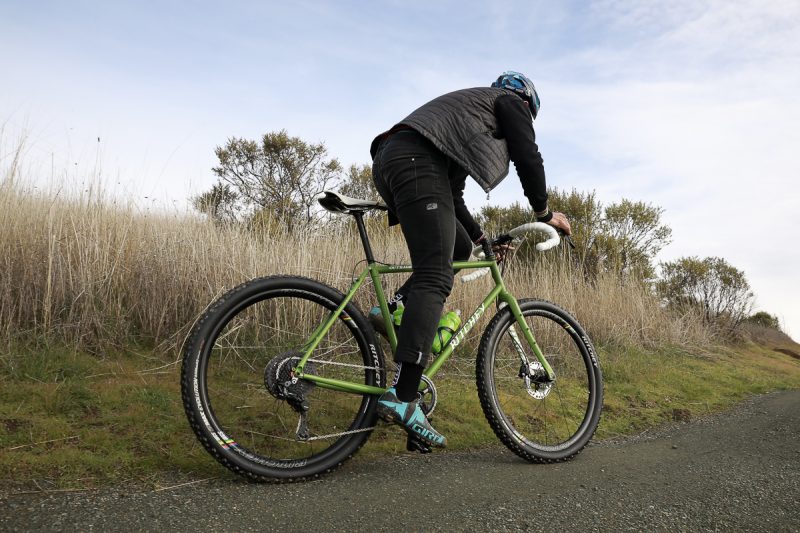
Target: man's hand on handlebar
501	250
501	246
560	222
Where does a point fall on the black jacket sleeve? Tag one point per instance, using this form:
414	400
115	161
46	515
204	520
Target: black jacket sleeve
516	126
458	180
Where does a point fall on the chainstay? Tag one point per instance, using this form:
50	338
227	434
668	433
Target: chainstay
350	365
332	435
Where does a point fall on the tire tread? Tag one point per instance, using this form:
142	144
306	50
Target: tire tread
194	342
486	400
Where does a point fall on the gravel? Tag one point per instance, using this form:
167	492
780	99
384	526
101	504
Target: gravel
739	470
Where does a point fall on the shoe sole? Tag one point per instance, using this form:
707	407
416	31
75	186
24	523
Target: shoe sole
380	326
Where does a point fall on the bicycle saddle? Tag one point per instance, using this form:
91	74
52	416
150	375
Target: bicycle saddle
339	203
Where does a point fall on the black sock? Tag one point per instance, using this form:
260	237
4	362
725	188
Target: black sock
407	382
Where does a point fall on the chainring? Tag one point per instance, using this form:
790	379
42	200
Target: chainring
428	396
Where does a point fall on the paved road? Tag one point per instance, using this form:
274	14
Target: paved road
736	471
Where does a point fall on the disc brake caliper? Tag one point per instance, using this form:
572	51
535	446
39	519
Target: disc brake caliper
534	376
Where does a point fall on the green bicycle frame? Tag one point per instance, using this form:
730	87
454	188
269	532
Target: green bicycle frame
374	271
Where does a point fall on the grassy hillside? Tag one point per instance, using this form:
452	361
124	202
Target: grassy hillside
96	299
71	420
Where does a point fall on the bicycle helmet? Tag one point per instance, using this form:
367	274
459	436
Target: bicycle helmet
520	84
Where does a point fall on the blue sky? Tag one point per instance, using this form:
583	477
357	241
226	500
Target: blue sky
689	105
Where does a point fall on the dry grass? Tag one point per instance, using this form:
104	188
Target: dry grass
771	338
86	271
83	273
614	312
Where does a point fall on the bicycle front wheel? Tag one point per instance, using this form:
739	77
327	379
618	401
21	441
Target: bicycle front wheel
540	420
237	379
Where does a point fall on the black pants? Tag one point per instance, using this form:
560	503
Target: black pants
412	177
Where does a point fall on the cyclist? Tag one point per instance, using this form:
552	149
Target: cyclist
420	167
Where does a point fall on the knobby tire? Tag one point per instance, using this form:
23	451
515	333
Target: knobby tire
245	345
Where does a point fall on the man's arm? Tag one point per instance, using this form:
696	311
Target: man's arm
457	184
516	126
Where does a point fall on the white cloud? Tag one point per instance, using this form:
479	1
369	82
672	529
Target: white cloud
690	105
702	120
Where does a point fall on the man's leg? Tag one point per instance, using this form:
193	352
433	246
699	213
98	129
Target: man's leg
462	249
425	210
413	175
408	376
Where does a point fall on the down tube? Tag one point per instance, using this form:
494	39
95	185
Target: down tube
463	331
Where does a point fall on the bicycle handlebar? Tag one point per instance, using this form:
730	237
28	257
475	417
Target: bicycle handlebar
466	278
552	235
553	240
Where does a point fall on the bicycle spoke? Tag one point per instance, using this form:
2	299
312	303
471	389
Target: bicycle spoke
269	335
545	418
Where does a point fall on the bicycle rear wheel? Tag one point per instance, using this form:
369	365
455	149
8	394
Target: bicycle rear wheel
236	380
538	420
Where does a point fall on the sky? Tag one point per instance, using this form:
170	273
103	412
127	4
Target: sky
690	105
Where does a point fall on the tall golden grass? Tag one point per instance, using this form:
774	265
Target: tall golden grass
86	271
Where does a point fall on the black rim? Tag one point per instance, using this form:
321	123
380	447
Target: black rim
581	433
242	454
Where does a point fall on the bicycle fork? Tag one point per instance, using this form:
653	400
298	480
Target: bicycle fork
538	372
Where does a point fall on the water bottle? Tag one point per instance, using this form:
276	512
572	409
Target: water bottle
397	316
448	325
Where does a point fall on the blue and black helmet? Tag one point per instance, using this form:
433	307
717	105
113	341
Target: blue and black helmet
520	84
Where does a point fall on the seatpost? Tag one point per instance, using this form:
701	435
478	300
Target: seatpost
362	232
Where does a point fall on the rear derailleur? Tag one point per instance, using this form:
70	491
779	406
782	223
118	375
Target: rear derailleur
281	382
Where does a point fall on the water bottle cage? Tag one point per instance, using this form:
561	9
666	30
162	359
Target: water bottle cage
442	340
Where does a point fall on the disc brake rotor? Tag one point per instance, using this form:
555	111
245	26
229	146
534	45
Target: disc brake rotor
535	379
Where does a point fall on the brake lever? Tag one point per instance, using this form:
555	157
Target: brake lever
502	239
568	238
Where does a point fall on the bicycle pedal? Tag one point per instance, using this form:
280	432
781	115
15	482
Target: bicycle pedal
413	444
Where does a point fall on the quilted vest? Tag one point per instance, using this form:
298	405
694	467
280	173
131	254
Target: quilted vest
462	124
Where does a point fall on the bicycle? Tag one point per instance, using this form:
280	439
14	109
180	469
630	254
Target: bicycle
281	375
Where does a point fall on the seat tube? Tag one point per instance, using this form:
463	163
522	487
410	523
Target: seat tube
362	232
